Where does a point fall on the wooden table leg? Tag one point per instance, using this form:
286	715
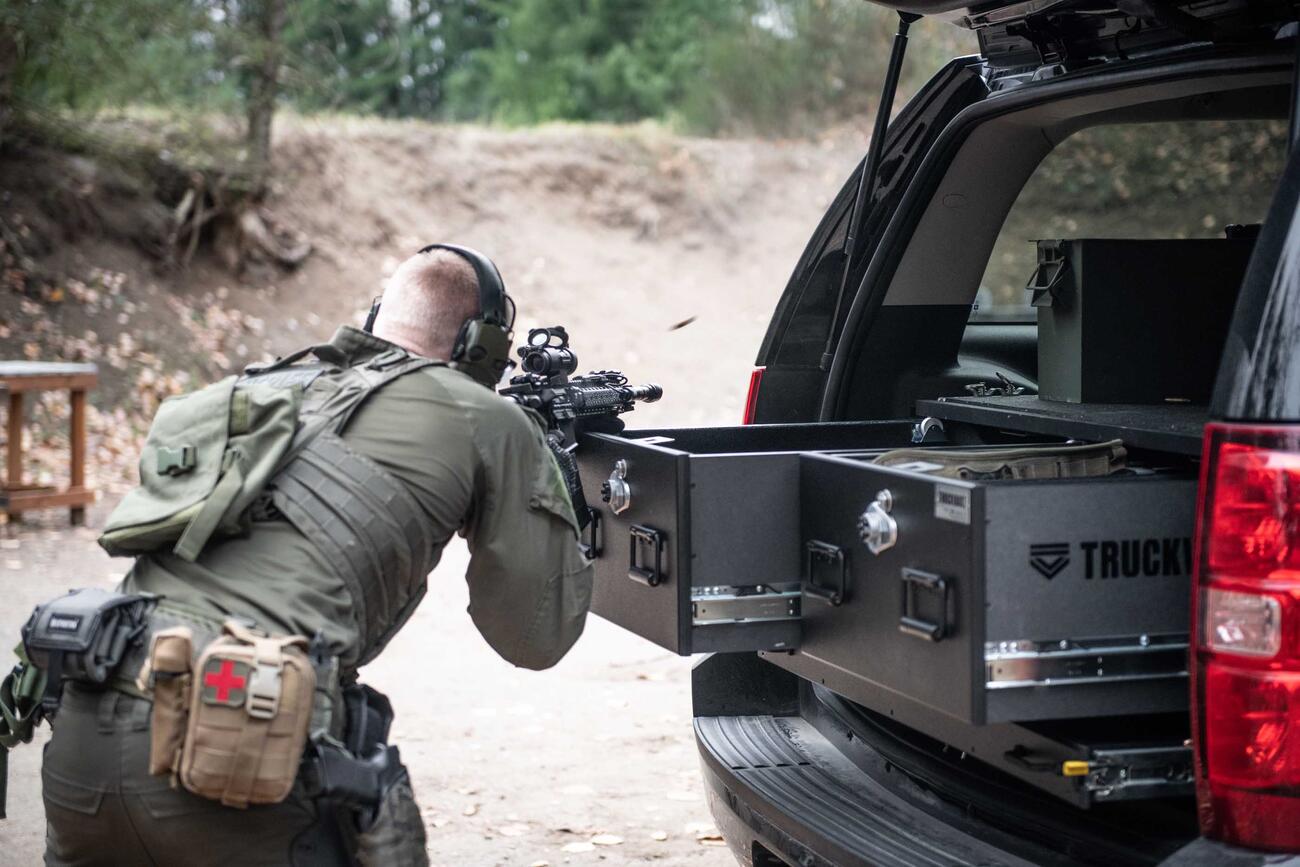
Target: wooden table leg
14	453
77	438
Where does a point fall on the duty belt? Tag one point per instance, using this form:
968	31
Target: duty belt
205	630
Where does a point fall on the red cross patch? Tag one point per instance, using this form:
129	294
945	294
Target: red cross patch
225	682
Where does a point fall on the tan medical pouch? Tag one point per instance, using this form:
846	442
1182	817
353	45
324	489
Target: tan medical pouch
249	715
166	674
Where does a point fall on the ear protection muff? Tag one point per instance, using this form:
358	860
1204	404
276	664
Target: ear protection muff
483	344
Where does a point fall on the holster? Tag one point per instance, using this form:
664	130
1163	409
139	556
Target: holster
360	771
83	636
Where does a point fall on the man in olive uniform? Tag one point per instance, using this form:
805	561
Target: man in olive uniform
465	460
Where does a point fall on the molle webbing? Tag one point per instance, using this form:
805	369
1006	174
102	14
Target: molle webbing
365	522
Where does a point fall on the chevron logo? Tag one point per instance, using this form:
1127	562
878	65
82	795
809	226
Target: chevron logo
1049	559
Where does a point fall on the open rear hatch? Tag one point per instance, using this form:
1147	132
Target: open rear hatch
1075	33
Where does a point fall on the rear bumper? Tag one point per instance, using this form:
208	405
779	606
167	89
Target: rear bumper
785	789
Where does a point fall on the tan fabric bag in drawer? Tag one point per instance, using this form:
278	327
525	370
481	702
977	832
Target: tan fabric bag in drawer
249	716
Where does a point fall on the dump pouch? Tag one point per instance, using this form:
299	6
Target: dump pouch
249	714
167	676
208	455
83	636
1031	462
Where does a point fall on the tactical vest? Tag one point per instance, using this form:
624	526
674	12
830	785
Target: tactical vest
359	515
268	445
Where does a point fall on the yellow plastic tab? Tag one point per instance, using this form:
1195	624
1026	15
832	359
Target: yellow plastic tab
1074	768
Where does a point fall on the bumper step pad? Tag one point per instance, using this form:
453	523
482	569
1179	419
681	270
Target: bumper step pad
783	780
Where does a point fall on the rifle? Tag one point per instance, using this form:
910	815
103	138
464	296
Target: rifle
568	402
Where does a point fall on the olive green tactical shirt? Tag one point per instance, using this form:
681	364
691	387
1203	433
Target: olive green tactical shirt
476	463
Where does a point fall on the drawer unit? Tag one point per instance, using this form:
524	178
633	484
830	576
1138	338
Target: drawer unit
696	535
995	601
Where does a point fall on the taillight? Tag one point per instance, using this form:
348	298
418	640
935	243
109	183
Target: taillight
1246	610
751	398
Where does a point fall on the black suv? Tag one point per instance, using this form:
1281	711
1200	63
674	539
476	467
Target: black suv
1004	565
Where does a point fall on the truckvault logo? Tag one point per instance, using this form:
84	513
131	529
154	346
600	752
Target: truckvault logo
1117	558
1048	559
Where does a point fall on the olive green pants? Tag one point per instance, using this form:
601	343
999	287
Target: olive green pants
103	807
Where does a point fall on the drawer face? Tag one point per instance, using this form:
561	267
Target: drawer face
907	621
1088	597
998	601
726	530
651	605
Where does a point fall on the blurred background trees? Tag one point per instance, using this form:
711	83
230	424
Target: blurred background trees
708	66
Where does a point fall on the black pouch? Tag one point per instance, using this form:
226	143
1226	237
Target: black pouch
83	636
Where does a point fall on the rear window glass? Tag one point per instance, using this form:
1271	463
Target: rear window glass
1141	181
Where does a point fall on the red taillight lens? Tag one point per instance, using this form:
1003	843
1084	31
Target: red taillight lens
751	398
1246	681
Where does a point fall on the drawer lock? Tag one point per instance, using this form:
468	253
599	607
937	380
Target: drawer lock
877	527
615	490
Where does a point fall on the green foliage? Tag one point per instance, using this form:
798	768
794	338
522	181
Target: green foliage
773	66
610	60
85	54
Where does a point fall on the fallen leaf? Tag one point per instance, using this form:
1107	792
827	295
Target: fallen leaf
687	321
659	835
607	840
470	809
578	847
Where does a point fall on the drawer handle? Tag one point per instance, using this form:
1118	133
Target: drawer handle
824	553
915	582
591	542
641	537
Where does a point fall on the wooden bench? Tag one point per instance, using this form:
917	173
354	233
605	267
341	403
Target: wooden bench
17	378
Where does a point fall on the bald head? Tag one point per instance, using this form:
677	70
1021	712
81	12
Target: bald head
427	299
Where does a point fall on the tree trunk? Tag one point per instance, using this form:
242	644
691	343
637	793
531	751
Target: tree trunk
8	68
265	25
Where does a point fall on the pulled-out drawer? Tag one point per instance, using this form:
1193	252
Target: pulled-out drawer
995	601
697	537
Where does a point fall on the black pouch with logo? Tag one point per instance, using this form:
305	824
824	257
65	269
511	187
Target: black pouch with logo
83	636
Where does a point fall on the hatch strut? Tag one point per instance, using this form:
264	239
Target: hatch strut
867	180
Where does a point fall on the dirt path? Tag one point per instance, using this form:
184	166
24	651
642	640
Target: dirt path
619	234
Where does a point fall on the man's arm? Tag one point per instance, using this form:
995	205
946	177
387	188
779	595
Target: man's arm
529	585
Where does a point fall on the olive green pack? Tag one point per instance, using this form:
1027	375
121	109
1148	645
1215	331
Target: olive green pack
208	455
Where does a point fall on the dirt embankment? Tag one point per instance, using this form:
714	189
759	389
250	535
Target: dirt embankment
619	233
